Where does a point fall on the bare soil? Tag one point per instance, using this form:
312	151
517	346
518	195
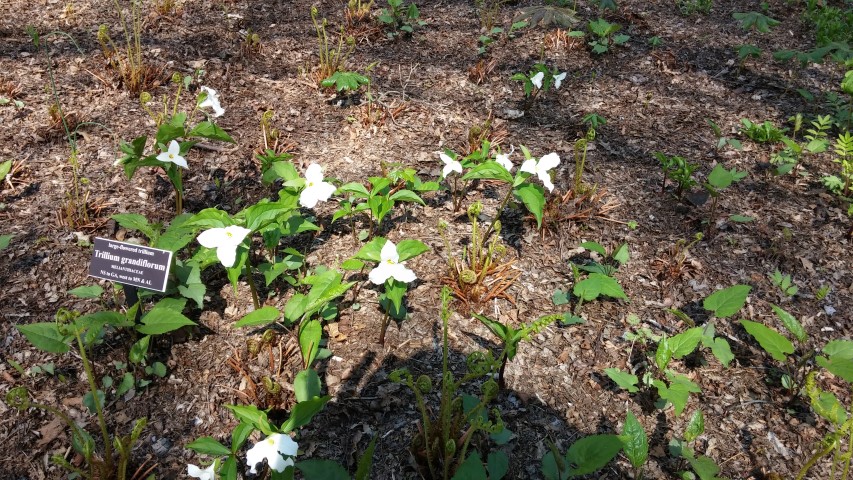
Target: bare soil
654	99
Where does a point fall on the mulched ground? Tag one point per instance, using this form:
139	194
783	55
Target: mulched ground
654	99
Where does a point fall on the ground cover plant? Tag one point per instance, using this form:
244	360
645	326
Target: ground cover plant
428	240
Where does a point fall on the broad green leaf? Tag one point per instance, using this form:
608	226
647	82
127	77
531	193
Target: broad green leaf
790	323
228	470
663	354
827	406
705	467
839	349
598	284
622	254
208	446
406	196
533	198
45	336
770	340
89	400
262	316
725	303
87	291
210	130
371	250
5	168
685	343
410	248
307	385
560	297
162	320
838	366
352	264
498	465
489	170
741	218
592	453
721	349
635	443
471	469
139	350
317	469
253	416
756	20
677	392
126	384
271	271
325	287
303	412
135	221
4	240
695	427
625	380
310	334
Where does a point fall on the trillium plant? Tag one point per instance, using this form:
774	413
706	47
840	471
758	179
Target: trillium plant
172	142
531	195
454	166
539	79
390	272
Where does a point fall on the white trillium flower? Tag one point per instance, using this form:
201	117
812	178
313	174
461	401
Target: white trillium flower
503	160
316	190
212	101
206	474
537	79
390	267
273	448
450	165
173	155
542	168
225	241
558	80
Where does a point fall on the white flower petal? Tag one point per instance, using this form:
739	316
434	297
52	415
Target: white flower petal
272	448
503	160
401	273
314	173
235	234
389	253
546	180
227	255
558	80
537	79
206	474
173	155
212	238
529	166
548	162
382	272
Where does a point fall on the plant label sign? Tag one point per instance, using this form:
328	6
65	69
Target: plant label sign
130	264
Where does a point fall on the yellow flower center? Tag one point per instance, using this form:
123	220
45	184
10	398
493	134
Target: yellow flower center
229	234
171	156
310	184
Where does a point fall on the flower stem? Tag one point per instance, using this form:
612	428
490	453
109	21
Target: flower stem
93	387
385	321
251	281
497	215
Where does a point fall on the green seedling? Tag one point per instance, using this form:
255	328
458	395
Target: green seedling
546	14
511	337
599	281
703	467
635	444
677	169
671	386
689	7
783	282
718	180
604	37
788	159
331	59
762	132
378	199
747	51
827	405
755	21
585	456
401	19
722	140
655	41
844	156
